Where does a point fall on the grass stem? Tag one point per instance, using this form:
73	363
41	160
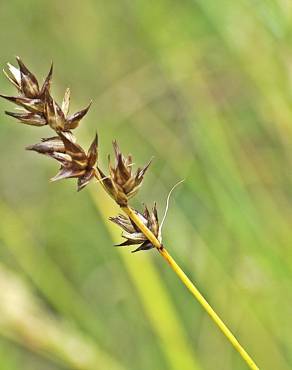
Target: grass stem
192	288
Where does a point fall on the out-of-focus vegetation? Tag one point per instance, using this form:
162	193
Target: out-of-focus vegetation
203	86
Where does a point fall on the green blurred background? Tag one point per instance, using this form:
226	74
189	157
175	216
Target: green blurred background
203	86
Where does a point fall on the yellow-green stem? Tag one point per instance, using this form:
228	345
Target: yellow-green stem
187	282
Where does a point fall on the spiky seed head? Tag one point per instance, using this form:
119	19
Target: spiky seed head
75	162
131	232
121	183
31	97
39	101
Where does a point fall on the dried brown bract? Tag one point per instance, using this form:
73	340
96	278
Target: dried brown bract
131	232
52	144
32	119
26	82
121	183
75	162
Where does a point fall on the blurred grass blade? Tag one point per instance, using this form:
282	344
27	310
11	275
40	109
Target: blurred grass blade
24	320
45	274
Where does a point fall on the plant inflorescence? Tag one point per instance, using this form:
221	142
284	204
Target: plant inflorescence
121	182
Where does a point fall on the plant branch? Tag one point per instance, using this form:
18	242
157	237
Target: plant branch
40	109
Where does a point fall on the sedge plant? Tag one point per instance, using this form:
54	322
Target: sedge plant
140	229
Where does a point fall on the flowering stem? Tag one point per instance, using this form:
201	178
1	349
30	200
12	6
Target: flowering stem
192	288
40	110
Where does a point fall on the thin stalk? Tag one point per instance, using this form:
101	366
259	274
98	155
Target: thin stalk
192	288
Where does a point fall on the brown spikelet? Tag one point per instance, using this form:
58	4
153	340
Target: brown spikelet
75	163
38	100
121	183
131	232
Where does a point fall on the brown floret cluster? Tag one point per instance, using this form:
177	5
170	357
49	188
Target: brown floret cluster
37	107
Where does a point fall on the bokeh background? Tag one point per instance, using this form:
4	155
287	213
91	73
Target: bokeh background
206	88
